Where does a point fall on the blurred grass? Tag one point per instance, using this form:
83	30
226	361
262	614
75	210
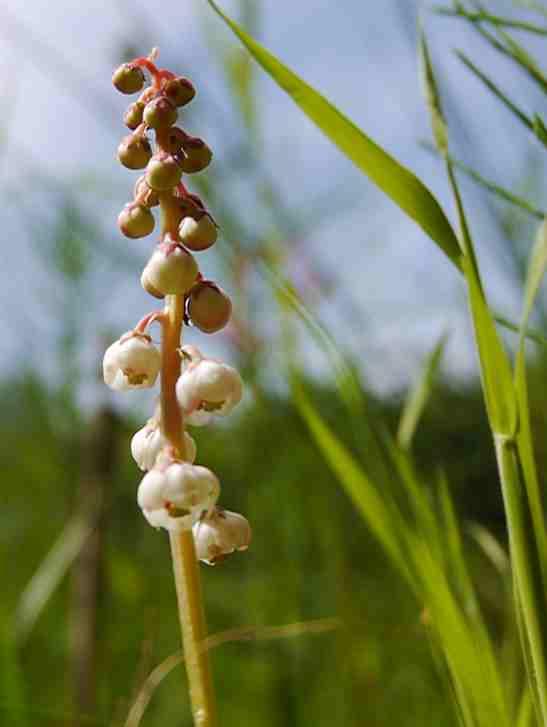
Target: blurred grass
311	558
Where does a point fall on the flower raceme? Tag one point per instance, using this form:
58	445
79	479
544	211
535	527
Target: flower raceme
175	493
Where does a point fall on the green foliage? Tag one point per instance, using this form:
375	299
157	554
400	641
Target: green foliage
479	703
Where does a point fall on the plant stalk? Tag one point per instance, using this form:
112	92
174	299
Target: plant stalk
185	564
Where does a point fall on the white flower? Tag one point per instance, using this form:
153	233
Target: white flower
148	442
207	388
219	534
132	362
170	270
176	497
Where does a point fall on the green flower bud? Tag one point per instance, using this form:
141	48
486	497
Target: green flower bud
134	152
136	220
160	113
209	308
179	91
198	234
144	194
197	155
133	116
163	173
128	78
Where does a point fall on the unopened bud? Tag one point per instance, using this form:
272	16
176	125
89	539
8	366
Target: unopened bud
209	308
163	173
198	234
128	78
134	152
144	195
179	91
133	116
171	270
136	220
197	155
159	113
175	139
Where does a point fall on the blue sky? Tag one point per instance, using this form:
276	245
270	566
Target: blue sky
362	56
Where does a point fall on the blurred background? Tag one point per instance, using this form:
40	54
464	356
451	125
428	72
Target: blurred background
88	605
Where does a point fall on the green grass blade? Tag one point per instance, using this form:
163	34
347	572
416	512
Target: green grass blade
469	657
49	575
534	5
495	89
403	187
419	395
492	187
530	333
522	60
536	272
456	559
355	481
495	367
485	17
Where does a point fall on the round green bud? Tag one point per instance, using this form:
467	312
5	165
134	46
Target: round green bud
179	91
133	116
175	138
134	152
197	155
198	234
136	220
160	113
146	196
209	308
128	78
163	173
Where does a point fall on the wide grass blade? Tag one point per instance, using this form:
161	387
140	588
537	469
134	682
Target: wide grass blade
403	187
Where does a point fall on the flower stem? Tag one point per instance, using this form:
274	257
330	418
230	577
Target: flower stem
185	563
193	627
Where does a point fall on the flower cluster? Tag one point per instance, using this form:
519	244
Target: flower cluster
175	493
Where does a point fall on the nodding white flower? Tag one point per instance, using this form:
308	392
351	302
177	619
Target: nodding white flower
170	270
132	362
219	534
175	498
148	442
207	388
